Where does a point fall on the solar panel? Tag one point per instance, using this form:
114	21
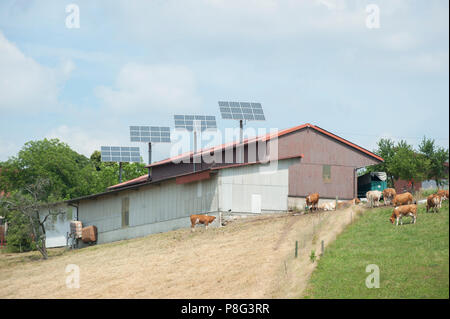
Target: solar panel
241	111
153	134
200	122
120	154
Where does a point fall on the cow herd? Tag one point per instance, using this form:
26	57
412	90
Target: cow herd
404	204
312	202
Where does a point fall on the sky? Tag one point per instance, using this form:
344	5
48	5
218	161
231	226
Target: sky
357	71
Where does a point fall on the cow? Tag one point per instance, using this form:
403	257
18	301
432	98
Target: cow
434	202
403	199
443	194
201	219
388	195
373	196
312	200
352	202
328	206
402	211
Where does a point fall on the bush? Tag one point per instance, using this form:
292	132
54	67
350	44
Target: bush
18	237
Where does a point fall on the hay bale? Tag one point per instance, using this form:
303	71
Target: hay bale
76	228
89	234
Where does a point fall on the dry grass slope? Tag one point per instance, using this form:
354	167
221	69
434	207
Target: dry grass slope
252	258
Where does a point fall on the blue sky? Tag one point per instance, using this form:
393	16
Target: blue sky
140	62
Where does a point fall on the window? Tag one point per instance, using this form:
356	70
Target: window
125	212
326	173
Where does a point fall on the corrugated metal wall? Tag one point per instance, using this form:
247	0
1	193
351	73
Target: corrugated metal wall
318	149
239	184
155	208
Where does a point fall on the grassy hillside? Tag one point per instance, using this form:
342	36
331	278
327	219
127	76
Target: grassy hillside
413	259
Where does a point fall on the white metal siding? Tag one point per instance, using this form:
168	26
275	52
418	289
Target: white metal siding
155	208
239	184
56	228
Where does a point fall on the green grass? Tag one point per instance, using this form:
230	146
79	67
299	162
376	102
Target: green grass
413	259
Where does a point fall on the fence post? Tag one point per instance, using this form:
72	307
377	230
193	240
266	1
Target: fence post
322	248
296	248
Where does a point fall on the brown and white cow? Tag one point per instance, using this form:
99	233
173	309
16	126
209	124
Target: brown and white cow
434	202
373	197
443	193
403	199
201	219
388	195
402	211
312	200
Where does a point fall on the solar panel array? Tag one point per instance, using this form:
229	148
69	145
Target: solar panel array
153	134
120	154
241	111
201	122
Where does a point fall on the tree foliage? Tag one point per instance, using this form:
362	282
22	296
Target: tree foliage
71	174
436	156
402	161
31	209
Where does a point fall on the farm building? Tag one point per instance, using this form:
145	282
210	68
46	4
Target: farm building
370	182
266	174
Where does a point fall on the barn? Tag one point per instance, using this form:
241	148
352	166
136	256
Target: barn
265	174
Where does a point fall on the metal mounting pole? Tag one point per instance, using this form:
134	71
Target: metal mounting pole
195	147
149	153
241	130
120	172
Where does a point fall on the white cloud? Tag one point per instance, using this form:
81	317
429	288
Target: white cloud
428	62
85	141
25	85
151	90
237	19
7	149
401	41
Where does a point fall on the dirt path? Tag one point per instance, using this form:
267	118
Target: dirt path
251	258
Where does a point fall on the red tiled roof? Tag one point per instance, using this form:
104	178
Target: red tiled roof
265	137
137	180
224	146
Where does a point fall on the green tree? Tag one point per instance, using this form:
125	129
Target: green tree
437	156
107	173
18	237
48	159
33	208
407	164
385	149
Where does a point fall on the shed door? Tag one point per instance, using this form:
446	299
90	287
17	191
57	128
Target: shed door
256	203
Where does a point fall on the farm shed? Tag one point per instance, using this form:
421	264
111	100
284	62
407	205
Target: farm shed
372	181
272	173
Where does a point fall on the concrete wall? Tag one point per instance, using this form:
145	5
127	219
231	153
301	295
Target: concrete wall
152	209
242	187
